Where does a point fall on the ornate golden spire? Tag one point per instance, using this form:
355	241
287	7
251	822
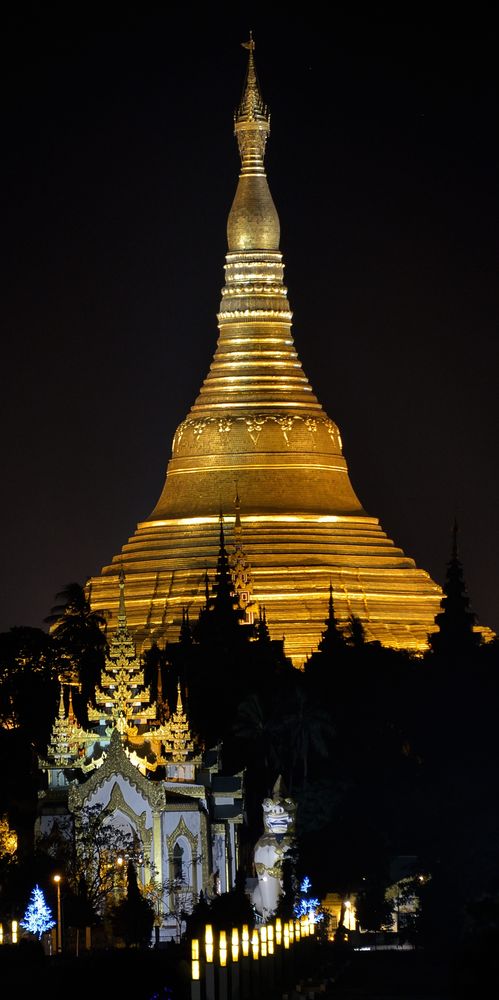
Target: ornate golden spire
240	568
252	120
121	698
122	623
179	743
253	222
66	736
71	714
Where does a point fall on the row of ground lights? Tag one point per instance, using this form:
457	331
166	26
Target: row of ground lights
262	942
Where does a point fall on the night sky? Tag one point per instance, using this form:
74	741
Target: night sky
119	166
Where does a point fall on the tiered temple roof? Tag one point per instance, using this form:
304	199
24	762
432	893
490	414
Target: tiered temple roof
122	707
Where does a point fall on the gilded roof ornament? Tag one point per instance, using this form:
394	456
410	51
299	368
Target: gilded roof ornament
65	738
121	697
239	566
179	743
122	622
252	119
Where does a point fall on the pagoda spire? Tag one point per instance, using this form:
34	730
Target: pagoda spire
224	597
178	742
332	637
455	621
220	619
252	119
122	622
65	737
71	714
263	634
161	701
121	698
253	222
185	635
240	568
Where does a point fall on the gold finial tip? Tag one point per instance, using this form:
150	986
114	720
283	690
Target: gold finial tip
249	45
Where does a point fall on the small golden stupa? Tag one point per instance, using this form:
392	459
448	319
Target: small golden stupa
257	430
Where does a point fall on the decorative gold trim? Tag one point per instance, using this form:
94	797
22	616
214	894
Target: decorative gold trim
117	801
205	851
182	788
182	830
116	762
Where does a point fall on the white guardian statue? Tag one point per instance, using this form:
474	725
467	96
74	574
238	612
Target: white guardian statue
271	849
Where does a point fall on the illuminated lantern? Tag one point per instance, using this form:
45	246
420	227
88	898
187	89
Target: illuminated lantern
245	941
263	942
270	939
222	948
255	944
195	958
208	942
235	944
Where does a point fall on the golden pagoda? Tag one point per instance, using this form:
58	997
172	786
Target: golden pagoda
257	430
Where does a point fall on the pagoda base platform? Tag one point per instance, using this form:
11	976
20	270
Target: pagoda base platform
293	559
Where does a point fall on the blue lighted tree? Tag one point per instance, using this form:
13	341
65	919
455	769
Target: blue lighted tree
38	916
307	904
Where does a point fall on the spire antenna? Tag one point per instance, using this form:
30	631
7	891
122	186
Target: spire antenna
250	44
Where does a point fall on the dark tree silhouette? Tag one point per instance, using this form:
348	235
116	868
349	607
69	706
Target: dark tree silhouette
133	918
78	633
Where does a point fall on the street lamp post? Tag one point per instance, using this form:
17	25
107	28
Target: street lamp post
57	880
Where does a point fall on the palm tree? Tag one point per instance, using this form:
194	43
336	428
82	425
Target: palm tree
308	729
77	630
259	731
